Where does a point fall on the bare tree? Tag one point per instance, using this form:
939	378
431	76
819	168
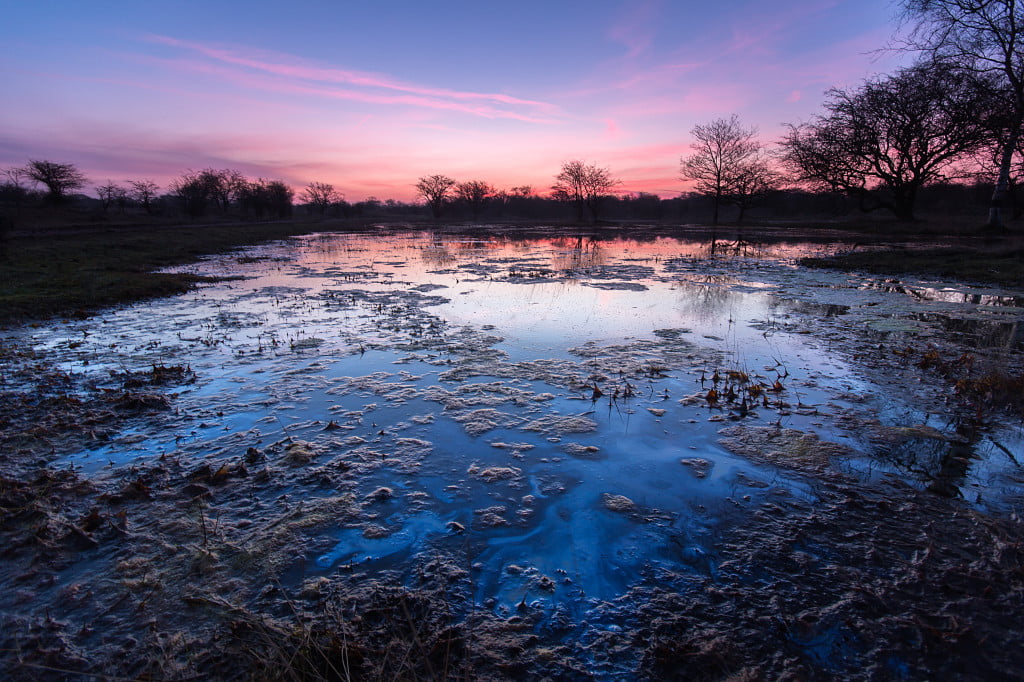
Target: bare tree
726	158
226	186
12	186
193	191
110	194
435	190
222	186
984	37
280	197
15	177
13	194
266	198
475	193
887	139
320	195
144	191
59	178
569	185
586	186
753	183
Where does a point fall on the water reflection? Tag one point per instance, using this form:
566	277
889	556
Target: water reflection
578	254
448	370
949	295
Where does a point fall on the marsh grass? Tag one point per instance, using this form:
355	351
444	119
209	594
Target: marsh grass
76	272
1003	266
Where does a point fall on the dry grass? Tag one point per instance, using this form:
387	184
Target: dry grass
75	272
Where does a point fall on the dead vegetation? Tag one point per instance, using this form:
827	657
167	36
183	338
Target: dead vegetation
985	388
179	569
870	583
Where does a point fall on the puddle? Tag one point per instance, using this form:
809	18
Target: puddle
580	418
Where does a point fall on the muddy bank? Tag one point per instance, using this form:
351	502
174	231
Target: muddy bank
1001	263
866	582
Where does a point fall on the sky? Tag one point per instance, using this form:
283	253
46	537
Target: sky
370	96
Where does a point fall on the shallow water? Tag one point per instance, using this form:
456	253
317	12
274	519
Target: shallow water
543	403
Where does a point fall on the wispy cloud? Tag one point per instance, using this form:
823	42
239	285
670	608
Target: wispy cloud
290	74
635	28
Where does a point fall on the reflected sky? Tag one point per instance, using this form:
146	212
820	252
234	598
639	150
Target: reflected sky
511	386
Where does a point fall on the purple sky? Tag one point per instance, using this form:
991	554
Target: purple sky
370	96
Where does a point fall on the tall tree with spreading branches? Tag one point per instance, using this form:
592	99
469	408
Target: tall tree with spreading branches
475	194
320	195
885	140
984	37
585	185
726	162
59	178
435	190
144	191
111	194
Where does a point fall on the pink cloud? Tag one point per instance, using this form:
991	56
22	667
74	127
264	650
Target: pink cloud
291	67
281	86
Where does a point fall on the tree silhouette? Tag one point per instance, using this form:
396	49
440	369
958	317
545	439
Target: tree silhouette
266	198
320	195
144	191
984	37
12	188
475	193
752	184
586	186
194	192
59	178
727	164
887	139
112	193
435	190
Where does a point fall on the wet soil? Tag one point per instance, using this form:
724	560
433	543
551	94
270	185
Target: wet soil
789	519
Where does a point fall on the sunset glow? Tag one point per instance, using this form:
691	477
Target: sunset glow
371	96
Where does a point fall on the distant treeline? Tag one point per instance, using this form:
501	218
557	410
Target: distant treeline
215	194
227	193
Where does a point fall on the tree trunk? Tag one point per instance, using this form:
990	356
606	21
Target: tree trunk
718	200
904	202
995	214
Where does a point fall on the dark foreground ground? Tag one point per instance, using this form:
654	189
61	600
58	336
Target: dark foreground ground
168	571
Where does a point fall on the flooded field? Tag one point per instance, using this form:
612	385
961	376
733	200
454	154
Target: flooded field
499	457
